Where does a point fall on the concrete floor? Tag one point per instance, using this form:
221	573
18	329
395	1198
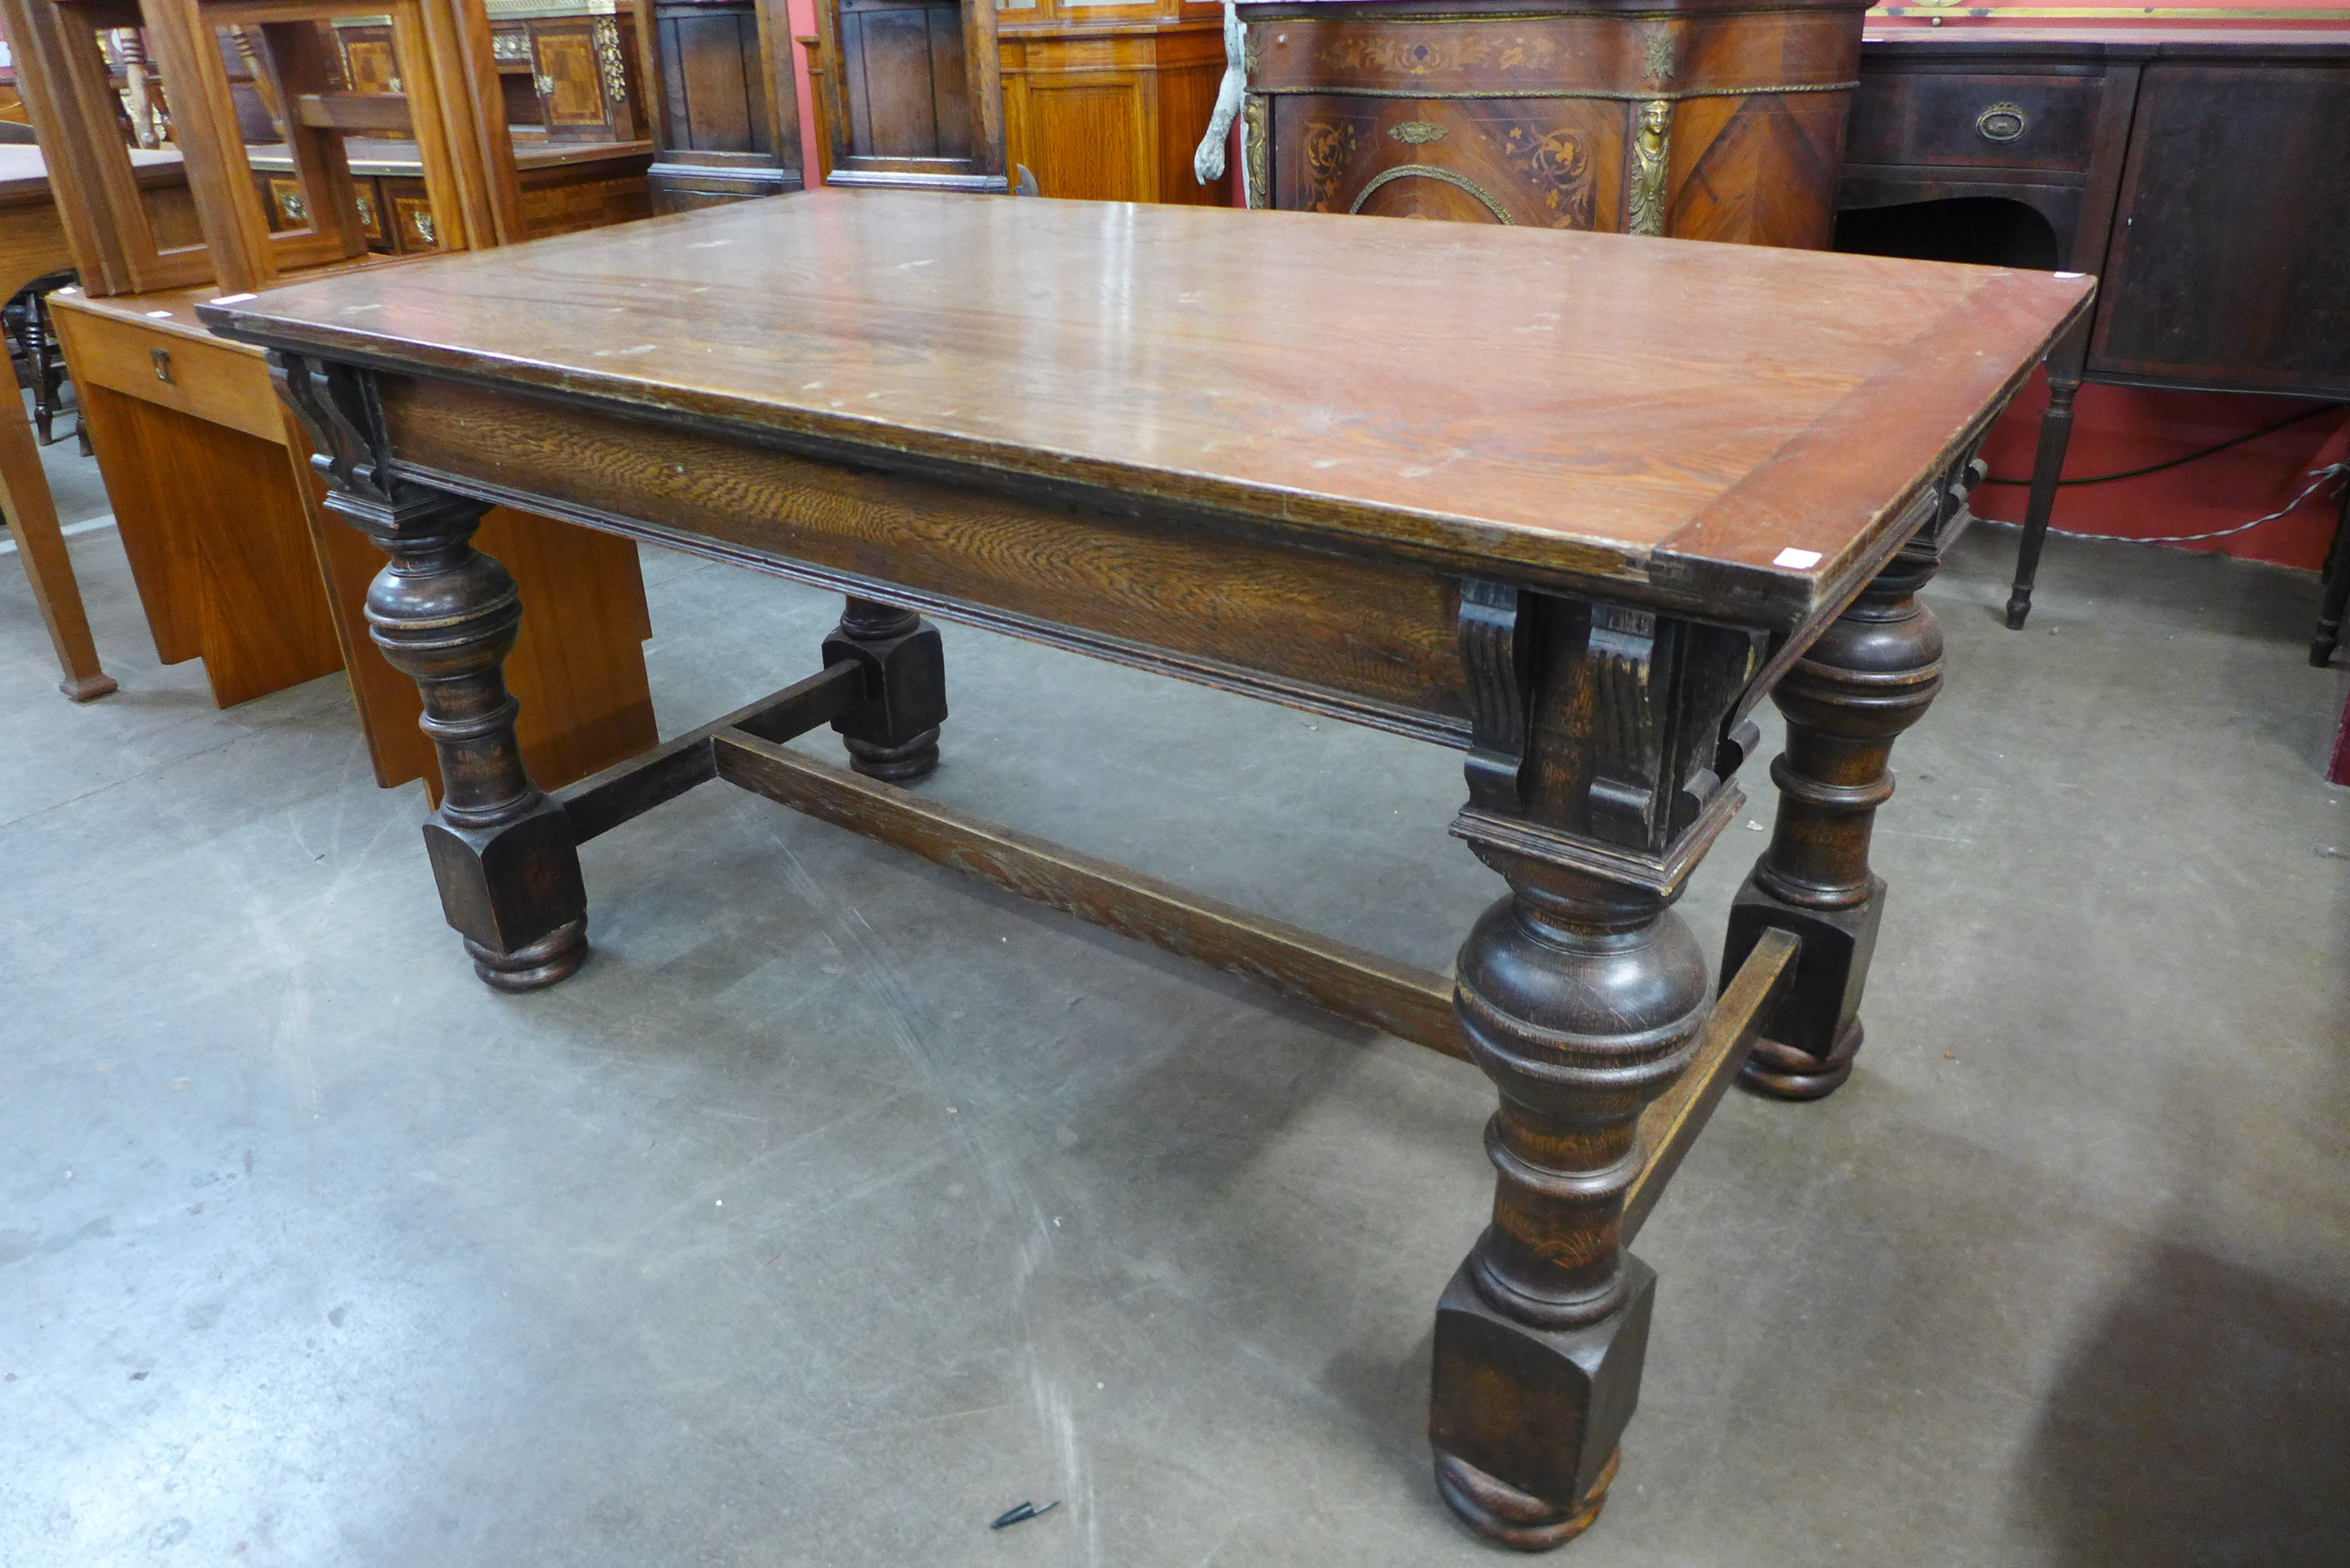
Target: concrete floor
840	1204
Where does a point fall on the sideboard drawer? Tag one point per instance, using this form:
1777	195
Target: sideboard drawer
1996	120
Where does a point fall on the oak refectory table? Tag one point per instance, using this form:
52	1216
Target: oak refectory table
1572	503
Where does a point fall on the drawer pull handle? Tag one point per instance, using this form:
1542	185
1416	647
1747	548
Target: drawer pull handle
162	362
2001	122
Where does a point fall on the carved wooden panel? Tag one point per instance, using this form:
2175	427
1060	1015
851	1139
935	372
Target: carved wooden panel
1544	162
2230	260
709	98
902	71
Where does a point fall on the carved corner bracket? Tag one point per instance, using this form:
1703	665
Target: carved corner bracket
338	410
1603	737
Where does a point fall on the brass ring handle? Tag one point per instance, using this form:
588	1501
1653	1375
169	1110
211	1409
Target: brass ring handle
2001	122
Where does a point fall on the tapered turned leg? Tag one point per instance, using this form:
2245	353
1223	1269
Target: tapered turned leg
895	735
1870	676
503	852
2047	468
1582	999
2337	589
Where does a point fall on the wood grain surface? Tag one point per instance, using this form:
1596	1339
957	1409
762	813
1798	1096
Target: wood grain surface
1683	413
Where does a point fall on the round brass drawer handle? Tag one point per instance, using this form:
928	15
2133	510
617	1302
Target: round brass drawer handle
2001	122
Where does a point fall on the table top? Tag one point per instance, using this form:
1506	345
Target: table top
1702	422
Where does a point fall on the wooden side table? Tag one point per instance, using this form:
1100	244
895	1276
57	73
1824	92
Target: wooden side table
33	244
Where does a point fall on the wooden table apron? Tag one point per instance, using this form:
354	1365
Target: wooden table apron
1603	717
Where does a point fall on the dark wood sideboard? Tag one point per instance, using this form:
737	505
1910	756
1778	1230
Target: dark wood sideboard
2204	179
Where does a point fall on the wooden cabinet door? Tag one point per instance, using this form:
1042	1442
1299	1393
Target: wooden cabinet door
2230	261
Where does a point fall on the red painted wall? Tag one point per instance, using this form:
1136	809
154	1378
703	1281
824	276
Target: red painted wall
802	14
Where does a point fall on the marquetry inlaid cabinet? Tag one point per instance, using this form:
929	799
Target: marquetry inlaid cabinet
1721	122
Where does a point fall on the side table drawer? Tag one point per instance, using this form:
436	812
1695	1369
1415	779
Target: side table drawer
223	383
1998	121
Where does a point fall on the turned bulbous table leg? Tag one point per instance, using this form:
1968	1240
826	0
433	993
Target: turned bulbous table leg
502	850
1870	676
1582	1000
